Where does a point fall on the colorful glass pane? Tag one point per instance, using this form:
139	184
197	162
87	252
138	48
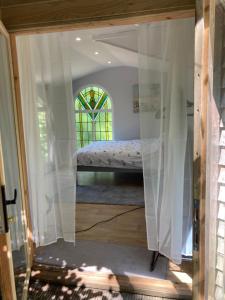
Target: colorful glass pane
93	116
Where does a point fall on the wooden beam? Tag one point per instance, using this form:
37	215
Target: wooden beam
123	283
7	3
57	13
7	281
21	147
201	99
22	166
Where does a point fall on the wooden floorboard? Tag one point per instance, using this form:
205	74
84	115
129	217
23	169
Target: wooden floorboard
112	282
43	290
180	273
127	229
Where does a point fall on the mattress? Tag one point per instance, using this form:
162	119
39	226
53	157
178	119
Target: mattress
111	154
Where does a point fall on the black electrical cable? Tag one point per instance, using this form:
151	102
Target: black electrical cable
110	219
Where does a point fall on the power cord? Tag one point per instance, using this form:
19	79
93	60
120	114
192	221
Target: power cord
110	219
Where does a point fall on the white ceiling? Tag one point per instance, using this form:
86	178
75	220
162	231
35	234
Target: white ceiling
115	44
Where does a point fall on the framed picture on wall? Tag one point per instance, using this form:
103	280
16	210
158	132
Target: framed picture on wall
150	100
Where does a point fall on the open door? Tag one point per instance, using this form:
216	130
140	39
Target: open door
14	250
209	160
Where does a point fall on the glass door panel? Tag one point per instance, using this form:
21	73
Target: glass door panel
11	187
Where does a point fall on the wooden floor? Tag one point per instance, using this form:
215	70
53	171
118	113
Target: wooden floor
127	229
111	282
182	273
131	230
43	290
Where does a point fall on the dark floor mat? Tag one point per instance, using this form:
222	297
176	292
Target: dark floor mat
109	194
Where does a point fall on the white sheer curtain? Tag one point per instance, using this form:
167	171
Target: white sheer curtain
48	119
166	58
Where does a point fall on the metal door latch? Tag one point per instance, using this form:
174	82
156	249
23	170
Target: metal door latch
6	202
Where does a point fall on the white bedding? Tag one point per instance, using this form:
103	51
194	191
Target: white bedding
111	154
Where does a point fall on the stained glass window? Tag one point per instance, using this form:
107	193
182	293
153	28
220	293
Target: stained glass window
93	109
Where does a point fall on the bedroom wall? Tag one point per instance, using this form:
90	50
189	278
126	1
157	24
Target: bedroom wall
118	81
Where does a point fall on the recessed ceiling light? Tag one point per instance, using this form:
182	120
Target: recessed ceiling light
96	52
78	39
109	62
136	25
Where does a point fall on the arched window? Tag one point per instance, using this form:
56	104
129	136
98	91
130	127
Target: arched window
93	109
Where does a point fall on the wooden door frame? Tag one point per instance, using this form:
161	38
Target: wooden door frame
201	50
200	141
7	280
6	241
204	73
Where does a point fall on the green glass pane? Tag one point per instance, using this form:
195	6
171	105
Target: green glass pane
107	104
90	116
98	136
85	126
101	101
79	117
90	126
90	136
102	117
97	127
103	136
93	125
78	105
84	118
85	135
77	126
110	126
83	101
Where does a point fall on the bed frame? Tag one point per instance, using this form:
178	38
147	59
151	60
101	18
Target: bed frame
107	169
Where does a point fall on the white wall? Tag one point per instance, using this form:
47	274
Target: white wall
118	82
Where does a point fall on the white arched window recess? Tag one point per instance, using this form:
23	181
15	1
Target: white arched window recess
93	109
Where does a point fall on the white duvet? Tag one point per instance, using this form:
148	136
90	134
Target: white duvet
111	154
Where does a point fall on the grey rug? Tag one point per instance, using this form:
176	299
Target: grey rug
109	194
102	257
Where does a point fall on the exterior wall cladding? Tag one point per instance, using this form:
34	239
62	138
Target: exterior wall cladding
217	158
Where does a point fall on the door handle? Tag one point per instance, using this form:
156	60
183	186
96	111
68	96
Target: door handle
6	202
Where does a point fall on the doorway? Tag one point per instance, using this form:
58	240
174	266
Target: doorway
57	147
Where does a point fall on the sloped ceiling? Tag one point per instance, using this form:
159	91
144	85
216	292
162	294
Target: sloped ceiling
115	46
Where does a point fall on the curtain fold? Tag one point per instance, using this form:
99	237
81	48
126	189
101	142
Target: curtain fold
166	92
49	127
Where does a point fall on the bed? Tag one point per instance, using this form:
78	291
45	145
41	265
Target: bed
110	156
